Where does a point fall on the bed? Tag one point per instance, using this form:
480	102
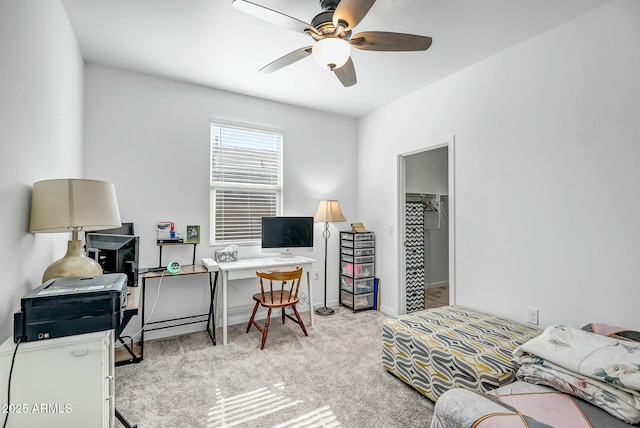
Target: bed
435	350
519	405
567	377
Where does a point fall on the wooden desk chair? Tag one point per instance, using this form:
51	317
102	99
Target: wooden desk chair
277	290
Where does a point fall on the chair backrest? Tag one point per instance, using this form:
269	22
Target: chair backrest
288	281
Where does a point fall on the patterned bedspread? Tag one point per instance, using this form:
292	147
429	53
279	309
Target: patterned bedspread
438	349
601	370
567	378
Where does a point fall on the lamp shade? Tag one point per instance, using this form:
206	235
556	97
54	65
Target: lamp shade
329	211
331	52
65	205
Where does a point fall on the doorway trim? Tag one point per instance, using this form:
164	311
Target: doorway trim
400	204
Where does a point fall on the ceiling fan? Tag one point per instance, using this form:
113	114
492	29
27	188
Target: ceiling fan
331	30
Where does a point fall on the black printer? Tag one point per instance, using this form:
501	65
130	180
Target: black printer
67	306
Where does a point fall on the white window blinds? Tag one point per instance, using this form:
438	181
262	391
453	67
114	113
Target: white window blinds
246	181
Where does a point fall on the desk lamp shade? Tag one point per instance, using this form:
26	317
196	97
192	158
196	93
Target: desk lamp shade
328	211
73	205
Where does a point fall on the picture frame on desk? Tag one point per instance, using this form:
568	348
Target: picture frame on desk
193	235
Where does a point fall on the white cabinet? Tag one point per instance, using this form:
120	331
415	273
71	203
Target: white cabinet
64	382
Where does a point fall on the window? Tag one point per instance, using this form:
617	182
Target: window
246	182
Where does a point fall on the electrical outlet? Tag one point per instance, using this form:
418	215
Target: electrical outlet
532	316
316	275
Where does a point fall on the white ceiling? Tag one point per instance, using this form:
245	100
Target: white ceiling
210	43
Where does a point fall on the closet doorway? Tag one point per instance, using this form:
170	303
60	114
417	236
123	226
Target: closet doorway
426	228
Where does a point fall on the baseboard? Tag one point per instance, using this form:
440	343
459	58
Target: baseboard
388	311
241	315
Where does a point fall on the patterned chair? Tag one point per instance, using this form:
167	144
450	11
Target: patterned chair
438	349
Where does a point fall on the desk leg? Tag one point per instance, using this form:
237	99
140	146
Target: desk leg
225	280
142	321
211	320
310	293
124	421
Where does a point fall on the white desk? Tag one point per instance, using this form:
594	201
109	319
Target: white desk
247	268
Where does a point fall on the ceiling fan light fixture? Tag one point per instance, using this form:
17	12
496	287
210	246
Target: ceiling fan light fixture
331	52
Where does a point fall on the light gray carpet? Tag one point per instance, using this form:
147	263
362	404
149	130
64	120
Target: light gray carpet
333	378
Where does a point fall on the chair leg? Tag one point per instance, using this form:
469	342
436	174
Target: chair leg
266	329
282	315
255	309
295	311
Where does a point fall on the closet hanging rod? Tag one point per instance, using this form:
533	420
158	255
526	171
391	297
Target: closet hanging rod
423	195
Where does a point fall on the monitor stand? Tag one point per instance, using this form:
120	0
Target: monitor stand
287	257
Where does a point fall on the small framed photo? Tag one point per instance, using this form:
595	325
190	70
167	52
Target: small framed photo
193	234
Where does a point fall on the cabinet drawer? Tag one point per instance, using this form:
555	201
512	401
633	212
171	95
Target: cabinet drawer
357	236
356	301
355	270
355	259
356	286
357	244
357	252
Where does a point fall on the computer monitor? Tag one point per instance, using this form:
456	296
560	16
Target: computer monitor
286	235
115	254
125	229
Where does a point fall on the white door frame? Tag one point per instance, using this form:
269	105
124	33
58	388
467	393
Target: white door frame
401	227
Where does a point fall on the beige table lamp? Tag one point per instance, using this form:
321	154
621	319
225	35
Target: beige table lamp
73	205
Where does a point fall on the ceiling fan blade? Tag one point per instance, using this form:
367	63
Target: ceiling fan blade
346	74
351	12
288	59
271	16
383	41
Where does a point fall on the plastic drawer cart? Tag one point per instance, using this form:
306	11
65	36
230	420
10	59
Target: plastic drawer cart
357	270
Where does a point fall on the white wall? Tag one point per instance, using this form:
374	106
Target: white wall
150	136
546	177
40	135
427	172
